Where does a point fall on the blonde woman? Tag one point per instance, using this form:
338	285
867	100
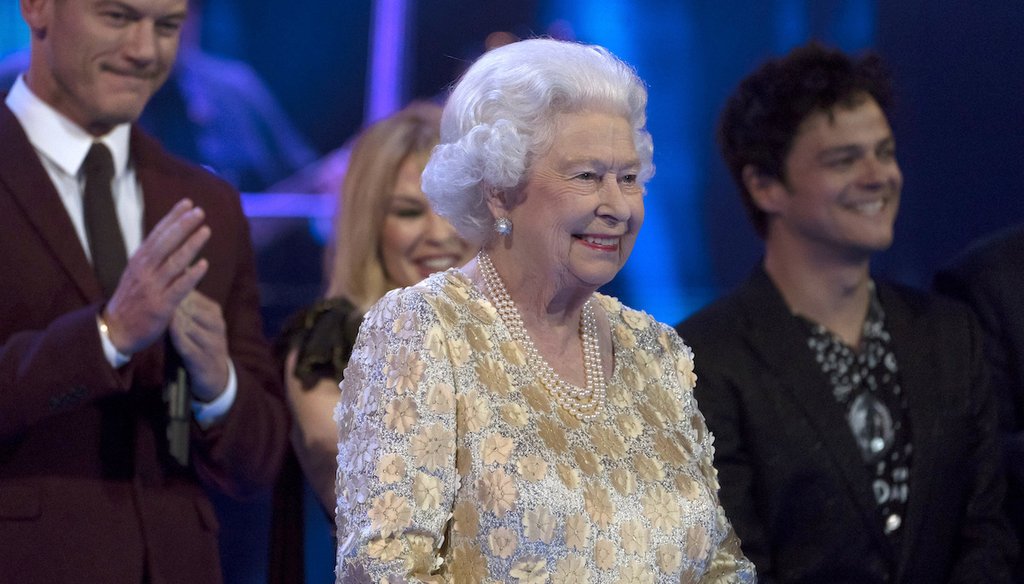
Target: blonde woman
385	236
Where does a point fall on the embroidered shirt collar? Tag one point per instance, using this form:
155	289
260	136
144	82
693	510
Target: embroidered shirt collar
58	138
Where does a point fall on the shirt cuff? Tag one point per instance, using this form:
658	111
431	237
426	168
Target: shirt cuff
209	413
116	358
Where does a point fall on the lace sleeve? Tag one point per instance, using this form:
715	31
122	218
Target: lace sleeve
728	564
396	418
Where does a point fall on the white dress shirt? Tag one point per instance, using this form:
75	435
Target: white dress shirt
62	146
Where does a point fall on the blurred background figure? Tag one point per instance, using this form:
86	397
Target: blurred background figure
989	276
215	112
385	236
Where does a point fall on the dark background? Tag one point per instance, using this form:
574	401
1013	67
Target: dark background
959	70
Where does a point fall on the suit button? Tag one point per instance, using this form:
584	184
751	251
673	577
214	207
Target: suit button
892	523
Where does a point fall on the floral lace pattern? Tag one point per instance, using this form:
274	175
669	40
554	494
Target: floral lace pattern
455	465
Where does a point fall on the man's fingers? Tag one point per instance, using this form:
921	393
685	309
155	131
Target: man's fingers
199	303
170	234
178	234
204	351
182	257
177	327
180	208
159	276
186	281
175	214
202	313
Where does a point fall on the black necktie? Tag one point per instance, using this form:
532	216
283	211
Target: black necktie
101	226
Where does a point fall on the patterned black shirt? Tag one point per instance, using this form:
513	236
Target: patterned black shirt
866	384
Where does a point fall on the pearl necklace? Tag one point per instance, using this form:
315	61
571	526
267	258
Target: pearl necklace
585	403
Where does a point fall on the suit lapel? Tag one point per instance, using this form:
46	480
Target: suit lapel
30	186
913	357
780	341
162	187
145	154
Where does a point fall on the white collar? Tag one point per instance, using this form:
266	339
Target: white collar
57	137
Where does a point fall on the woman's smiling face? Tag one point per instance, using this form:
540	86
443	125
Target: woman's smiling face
582	206
415	241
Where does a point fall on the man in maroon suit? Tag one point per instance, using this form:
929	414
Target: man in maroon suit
127	281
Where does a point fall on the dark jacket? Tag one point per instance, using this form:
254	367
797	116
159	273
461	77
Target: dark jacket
793	481
990	278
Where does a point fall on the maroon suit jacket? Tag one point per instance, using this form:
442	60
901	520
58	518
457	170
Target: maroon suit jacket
88	492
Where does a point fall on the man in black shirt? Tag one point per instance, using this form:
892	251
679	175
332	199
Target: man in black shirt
855	434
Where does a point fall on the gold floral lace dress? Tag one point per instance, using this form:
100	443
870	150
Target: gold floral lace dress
455	465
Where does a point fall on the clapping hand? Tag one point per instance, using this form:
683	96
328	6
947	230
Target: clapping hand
159	275
199	334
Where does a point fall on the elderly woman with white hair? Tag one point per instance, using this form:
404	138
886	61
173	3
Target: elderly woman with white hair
504	422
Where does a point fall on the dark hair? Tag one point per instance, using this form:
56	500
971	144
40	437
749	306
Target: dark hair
761	118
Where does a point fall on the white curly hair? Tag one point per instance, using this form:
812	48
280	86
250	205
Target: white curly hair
500	116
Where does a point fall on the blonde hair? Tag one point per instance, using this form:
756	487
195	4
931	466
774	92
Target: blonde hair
357	270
